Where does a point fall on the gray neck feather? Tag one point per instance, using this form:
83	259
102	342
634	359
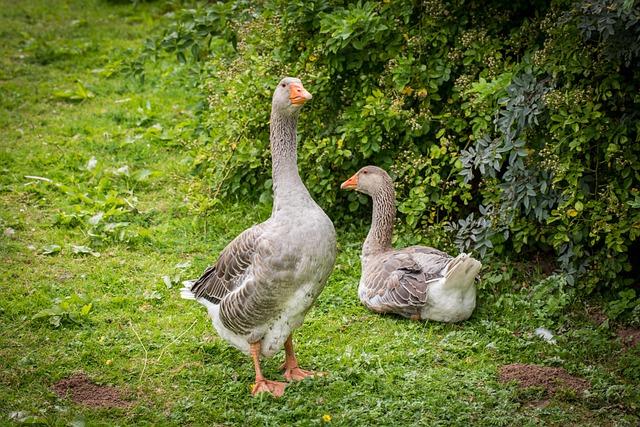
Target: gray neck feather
284	164
384	214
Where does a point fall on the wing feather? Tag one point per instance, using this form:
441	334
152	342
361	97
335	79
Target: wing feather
231	267
398	281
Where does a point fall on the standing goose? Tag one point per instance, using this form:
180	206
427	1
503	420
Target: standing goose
266	279
416	282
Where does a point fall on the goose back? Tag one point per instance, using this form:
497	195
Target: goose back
398	280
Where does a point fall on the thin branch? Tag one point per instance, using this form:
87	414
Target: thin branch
175	339
225	169
143	347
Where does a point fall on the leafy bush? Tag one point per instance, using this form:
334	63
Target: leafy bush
562	168
515	122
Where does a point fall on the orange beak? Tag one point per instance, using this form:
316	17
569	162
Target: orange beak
350	184
298	95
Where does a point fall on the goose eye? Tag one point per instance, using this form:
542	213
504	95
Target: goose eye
365	172
283	85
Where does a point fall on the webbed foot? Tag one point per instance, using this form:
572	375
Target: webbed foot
274	388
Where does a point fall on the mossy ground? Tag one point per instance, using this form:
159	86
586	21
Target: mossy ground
115	318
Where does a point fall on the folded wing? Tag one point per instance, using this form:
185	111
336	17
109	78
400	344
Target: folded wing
229	271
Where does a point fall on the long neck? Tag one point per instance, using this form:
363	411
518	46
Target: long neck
384	213
284	165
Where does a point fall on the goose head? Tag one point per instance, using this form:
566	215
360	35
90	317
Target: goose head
370	180
289	96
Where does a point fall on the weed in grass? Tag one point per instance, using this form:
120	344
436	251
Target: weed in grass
73	309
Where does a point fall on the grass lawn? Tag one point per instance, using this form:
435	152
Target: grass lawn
99	227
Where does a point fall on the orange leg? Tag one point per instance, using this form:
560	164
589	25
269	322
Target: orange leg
292	371
262	384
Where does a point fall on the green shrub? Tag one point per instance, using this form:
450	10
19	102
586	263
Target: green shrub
514	122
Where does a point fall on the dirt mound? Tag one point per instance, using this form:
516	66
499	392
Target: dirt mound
85	392
549	378
630	337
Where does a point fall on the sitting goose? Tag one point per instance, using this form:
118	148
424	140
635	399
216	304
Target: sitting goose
416	282
267	278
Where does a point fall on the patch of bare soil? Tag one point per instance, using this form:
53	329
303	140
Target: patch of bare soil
596	315
630	337
546	263
85	392
537	404
551	379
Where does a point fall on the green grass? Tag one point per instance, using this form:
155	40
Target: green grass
61	106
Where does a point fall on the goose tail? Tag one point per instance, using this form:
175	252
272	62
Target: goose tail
461	271
185	292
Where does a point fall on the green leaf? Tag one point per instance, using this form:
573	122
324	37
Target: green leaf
86	309
84	250
55	310
51	249
167	281
142	175
95	219
152	295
